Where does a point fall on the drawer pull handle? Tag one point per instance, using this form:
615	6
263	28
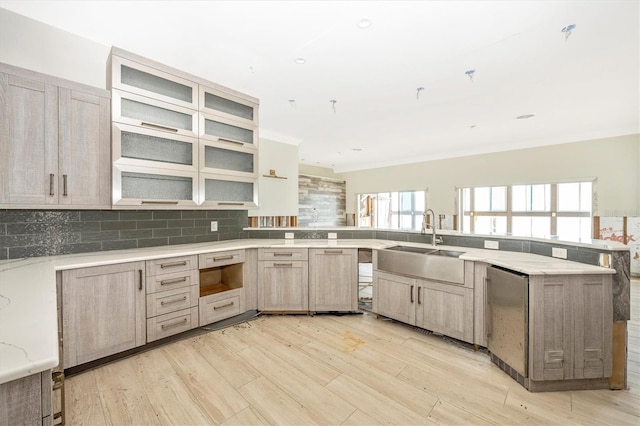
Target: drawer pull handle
51	176
183	299
159	127
289	254
279	265
215	308
173	324
215	259
172	264
159	202
333	252
230	141
64	185
173	281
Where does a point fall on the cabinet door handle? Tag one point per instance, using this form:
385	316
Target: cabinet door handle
173	324
215	259
288	254
487	309
411	293
419	301
333	252
183	299
140	279
173	281
230	204
159	202
159	127
215	308
51	176
172	264
230	141
283	265
64	185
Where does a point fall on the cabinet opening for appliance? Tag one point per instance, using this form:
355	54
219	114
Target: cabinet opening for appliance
220	278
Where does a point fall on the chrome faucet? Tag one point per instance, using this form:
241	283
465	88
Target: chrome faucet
423	231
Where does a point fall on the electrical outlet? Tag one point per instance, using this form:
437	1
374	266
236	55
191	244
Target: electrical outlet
288	235
494	245
332	235
559	252
214	226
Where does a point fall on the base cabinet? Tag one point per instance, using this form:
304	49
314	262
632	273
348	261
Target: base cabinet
570	327
446	309
394	296
103	311
333	280
283	280
27	401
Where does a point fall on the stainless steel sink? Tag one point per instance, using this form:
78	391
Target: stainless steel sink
423	262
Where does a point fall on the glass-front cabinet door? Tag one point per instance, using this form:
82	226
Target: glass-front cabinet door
218	129
228	105
147	81
154	188
228	159
151	148
149	113
228	192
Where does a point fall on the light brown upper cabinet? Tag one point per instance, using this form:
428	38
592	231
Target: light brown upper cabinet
55	140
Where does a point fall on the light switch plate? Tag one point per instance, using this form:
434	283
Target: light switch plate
214	226
559	252
288	235
332	235
494	245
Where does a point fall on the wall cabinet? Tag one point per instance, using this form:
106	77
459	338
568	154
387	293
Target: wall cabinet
172	296
55	139
333	280
197	141
570	332
283	280
103	311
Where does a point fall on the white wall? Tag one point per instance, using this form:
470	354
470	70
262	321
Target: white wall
30	44
277	197
614	162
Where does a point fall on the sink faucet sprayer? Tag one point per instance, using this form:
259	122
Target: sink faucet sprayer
423	231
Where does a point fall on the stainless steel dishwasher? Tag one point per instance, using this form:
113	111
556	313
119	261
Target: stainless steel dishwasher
507	321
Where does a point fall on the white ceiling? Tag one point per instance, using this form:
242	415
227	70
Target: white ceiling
582	87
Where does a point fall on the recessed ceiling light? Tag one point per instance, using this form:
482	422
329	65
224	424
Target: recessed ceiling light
364	23
525	116
300	60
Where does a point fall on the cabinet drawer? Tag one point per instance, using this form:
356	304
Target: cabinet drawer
227	105
171	300
171	265
138	146
169	324
147	81
180	279
283	254
221	258
213	309
149	113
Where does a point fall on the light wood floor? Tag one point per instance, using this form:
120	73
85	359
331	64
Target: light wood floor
347	370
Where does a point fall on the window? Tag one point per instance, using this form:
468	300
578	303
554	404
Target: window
392	210
540	210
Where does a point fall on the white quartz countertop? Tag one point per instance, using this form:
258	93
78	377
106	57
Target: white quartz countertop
28	311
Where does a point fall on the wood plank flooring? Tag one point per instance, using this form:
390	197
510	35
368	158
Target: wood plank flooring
349	370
